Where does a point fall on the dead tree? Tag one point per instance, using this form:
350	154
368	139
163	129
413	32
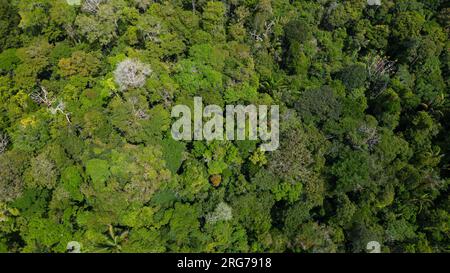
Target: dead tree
143	4
268	26
379	66
60	108
372	138
256	36
151	30
91	6
378	70
138	112
42	97
268	30
167	97
4	141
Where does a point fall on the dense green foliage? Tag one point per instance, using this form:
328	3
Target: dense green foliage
86	153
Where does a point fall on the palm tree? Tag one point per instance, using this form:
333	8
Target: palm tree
422	200
114	240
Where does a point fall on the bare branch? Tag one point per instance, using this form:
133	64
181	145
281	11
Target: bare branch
91	6
60	107
4	141
378	69
42	97
137	112
372	137
256	36
379	66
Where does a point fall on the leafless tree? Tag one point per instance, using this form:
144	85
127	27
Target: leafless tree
379	66
372	138
374	2
167	97
43	97
143	4
268	30
4	141
150	29
131	73
378	69
91	6
268	26
71	32
257	37
60	108
138	112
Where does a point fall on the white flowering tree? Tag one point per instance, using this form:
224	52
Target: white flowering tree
223	212
131	73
